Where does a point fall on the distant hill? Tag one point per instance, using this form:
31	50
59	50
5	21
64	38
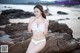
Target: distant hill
17	1
65	2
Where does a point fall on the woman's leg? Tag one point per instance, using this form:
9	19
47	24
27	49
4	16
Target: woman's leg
30	47
39	47
35	48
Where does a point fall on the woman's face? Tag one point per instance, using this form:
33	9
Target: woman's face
37	12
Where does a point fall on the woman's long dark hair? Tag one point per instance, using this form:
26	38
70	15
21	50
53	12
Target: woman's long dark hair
41	9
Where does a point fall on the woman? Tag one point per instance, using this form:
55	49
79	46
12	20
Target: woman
39	26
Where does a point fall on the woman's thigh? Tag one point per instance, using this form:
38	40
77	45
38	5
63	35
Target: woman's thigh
30	47
39	47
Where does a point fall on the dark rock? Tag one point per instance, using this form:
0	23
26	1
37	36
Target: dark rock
22	34
18	32
59	43
78	41
16	13
10	29
5	43
2	33
56	43
63	19
3	17
76	51
19	47
78	17
2	28
62	13
4	21
59	27
6	12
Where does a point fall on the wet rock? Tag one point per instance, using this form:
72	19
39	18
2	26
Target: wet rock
4	20
62	13
10	29
59	27
2	28
18	32
19	47
6	12
63	19
78	41
5	43
22	34
78	17
59	43
56	43
16	13
76	51
3	16
2	33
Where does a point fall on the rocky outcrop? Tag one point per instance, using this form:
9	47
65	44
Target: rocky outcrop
56	43
4	20
60	40
54	26
62	13
76	51
16	13
78	17
59	43
18	31
20	47
10	29
5	43
2	33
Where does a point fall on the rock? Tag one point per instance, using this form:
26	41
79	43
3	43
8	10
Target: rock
4	20
6	12
76	51
19	35
10	29
5	43
16	13
2	33
3	17
78	41
56	43
59	27
59	43
2	28
62	13
63	19
19	47
18	32
78	17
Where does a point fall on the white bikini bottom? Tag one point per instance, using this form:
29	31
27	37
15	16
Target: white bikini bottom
36	42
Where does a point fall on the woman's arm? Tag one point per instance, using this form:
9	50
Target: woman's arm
29	24
46	27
